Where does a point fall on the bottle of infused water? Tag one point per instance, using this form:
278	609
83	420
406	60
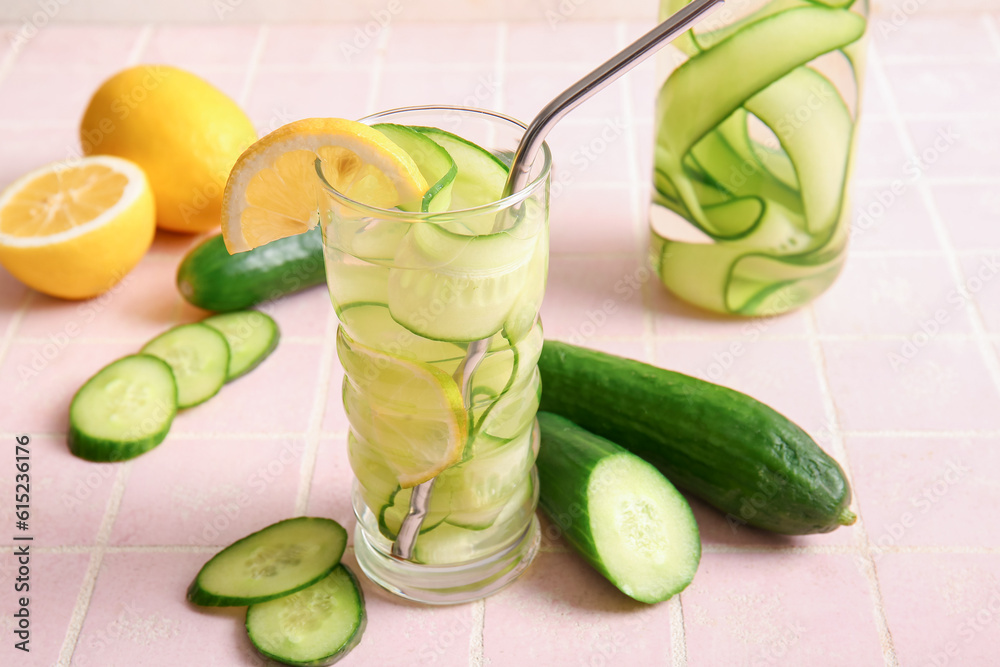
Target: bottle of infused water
754	134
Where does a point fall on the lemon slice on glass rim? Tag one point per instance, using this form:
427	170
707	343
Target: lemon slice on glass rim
273	190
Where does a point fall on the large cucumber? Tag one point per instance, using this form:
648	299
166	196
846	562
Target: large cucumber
717	444
622	515
210	278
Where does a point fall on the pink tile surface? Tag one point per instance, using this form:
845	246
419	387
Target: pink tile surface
950	617
69	496
747	609
281	96
275	398
465	43
135	618
40	378
926	37
966	148
586	219
248	456
943	386
55	46
779	373
141	306
527	624
893	295
927	491
242	486
593	297
892	218
946	88
54	582
327	45
187	45
971	213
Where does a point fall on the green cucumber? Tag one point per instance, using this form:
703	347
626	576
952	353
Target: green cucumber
124	410
617	510
392	513
212	279
278	560
717	444
199	357
432	159
481	174
251	335
314	627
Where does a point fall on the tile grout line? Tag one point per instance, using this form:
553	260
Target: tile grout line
500	67
678	637
86	592
381	46
253	65
141	41
840	449
308	465
15	322
477	635
635	201
988	352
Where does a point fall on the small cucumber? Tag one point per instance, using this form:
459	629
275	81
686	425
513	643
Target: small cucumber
124	410
715	443
314	627
251	335
622	515
199	358
278	560
210	278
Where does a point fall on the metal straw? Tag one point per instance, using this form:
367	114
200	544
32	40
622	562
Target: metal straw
518	178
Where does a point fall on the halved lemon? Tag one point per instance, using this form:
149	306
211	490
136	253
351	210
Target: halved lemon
409	413
74	230
273	190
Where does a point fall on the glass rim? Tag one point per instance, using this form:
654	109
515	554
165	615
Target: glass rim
445	216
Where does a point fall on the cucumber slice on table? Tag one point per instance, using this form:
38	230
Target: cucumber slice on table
434	162
199	358
316	626
124	410
618	511
251	335
281	559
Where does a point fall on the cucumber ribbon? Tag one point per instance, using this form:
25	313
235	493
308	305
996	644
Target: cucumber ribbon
777	218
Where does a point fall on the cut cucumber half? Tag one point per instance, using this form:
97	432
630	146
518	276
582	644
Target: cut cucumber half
617	510
124	410
432	159
199	358
251	335
316	626
278	560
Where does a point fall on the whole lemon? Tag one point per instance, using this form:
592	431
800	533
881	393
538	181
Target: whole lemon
184	132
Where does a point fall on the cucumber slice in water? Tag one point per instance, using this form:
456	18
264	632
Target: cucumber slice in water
481	175
316	626
124	410
278	560
434	162
391	515
251	335
199	358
